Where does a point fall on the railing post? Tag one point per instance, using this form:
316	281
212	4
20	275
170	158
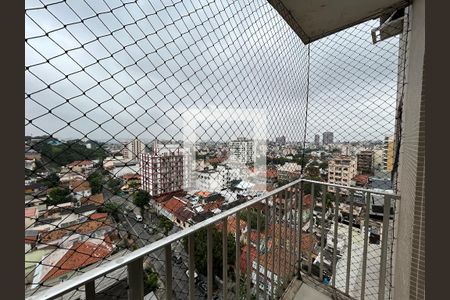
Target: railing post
225	257
300	225
384	240
238	255
349	249
335	235
258	245
209	246
168	266
311	226
366	241
136	279
90	290
274	220
248	267
266	255
322	230
191	265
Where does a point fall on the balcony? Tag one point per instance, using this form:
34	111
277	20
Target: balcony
290	260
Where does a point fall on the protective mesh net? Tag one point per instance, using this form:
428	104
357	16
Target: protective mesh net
114	91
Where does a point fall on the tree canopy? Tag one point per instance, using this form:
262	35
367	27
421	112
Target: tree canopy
58	195
200	250
141	198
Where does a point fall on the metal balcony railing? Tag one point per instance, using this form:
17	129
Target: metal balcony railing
329	238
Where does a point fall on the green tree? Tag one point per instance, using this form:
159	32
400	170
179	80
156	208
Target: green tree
58	195
96	181
150	281
114	185
141	198
166	224
200	250
112	209
252	218
51	180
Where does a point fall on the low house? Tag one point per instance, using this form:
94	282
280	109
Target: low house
80	189
97	200
81	166
31	215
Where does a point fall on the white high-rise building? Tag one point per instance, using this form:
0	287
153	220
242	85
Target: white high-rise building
241	151
133	149
161	173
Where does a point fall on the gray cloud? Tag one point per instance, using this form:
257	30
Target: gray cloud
136	70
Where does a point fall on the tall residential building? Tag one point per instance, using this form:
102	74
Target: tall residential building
364	162
281	140
327	138
133	149
378	159
341	170
317	140
241	151
162	173
388	153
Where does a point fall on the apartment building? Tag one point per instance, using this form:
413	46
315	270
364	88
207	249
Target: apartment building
341	170
327	138
241	151
388	153
161	173
133	149
364	162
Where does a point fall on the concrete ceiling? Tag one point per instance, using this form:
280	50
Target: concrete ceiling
314	19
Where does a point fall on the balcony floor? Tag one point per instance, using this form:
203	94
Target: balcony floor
299	290
307	292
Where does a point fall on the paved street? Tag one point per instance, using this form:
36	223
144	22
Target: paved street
180	279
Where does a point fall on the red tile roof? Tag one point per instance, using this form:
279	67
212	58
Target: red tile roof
80	255
80	163
30	212
130	176
96	199
210	206
98	216
173	204
231	225
79	185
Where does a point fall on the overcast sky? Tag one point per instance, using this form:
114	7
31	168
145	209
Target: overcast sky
134	67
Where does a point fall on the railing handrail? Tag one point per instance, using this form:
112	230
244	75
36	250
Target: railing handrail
73	283
372	191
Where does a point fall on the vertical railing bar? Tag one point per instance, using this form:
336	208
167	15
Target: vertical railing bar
225	257
291	245
280	216
311	224
238	255
209	248
300	229
294	248
168	263
136	279
349	248
258	245
90	290
322	230
266	254
274	220
191	266
335	235
286	237
366	240
248	268
384	240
